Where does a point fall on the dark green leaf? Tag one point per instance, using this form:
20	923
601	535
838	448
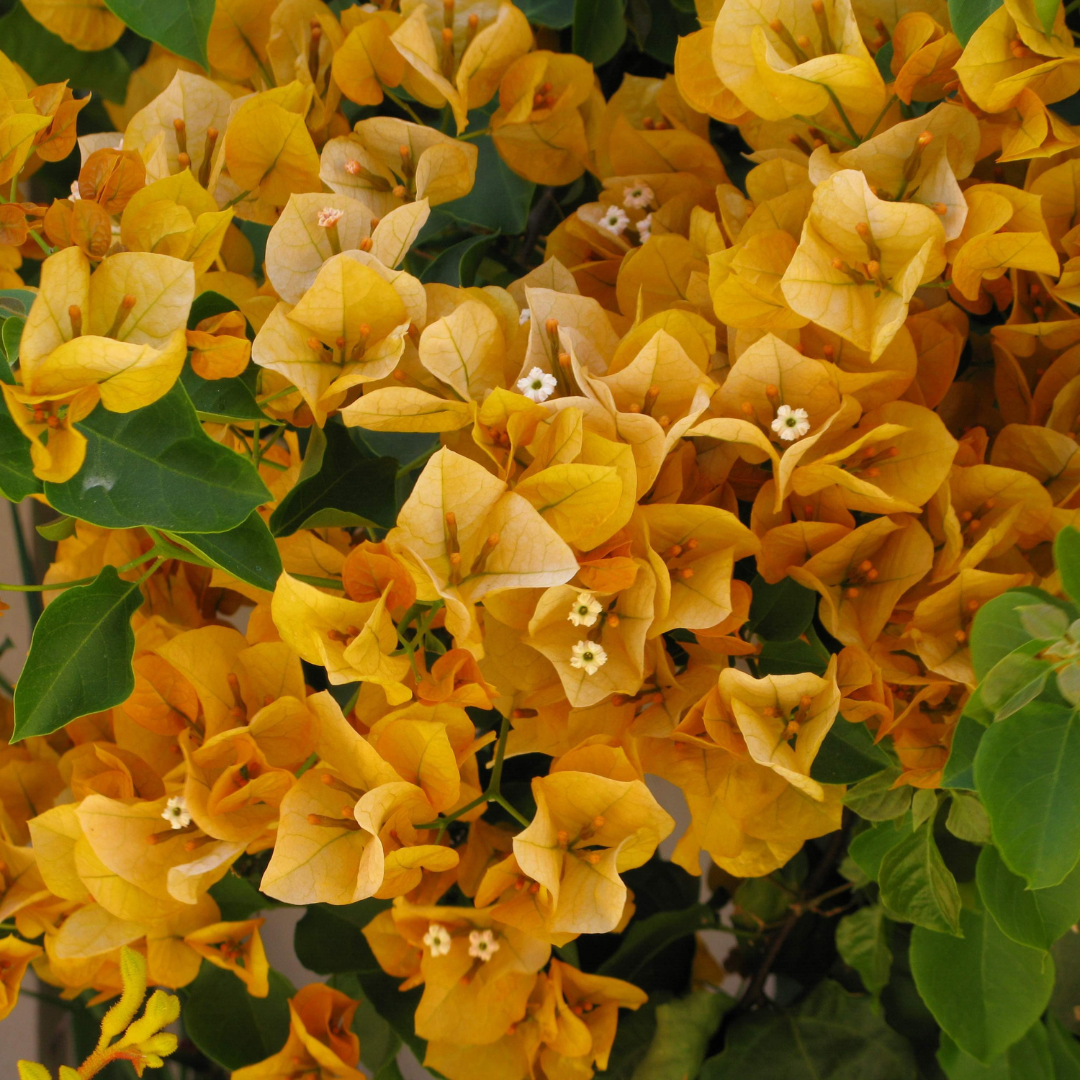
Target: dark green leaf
1035	917
1028	773
997	630
848	754
80	656
1067	555
648	937
222	400
667	25
181	26
379	1043
238	898
1064	1050
959	771
17	479
229	1025
11	337
348	489
780	612
967	16
16	301
47	58
916	886
683	1030
790	658
862	940
558	14
248	552
870	847
208	304
599	29
832	1034
329	939
1024	1060
457	265
633	1037
968	819
876	799
156	466
984	989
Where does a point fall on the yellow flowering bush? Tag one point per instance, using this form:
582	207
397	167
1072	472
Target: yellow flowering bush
581	499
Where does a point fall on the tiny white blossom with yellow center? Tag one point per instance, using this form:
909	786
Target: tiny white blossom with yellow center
791	424
482	944
588	656
328	216
615	220
538	385
644	228
176	812
585	610
437	939
637	196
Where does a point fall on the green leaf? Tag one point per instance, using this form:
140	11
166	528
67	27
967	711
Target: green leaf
790	658
222	400
916	885
156	466
1028	773
457	265
599	29
869	848
984	989
683	1030
347	488
876	799
1024	1060
237	898
558	14
997	630
181	26
634	1037
1064	1050
1045	621
11	337
968	819
646	938
80	656
780	612
967	16
379	1043
248	552
208	304
1067	554
1035	917
17	479
229	1025
862	940
16	301
329	939
848	754
831	1034
58	529
959	771
1013	681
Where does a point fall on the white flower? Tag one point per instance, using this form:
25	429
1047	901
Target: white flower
437	939
637	196
585	610
644	228
589	656
538	385
482	944
791	424
75	190
524	317
176	812
329	215
615	220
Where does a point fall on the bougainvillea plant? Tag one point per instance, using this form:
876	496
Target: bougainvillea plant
577	497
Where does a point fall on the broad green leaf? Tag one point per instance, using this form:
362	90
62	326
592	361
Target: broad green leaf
968	819
208	304
1024	1060
1027	770
16	301
248	552
780	612
666	26
156	466
229	1025
1013	681
1067	557
17	479
790	658
457	265
1035	917
1046	621
984	989
80	656
683	1030
47	58
238	898
599	29
558	14
848	754
11	336
647	938
830	1034
967	16
916	885
181	26
634	1037
379	1043
862	940
876	799
997	630
869	848
329	940
959	771
1064	1050
924	804
222	401
346	488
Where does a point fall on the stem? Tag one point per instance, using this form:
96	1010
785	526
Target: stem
34	606
56	586
881	116
275	395
239	198
403	105
840	110
416	462
256	444
320	582
475	134
153	569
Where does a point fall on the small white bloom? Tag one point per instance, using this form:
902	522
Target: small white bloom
589	656
644	228
585	610
176	812
791	424
538	385
437	939
637	196
615	220
329	215
524	317
482	944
